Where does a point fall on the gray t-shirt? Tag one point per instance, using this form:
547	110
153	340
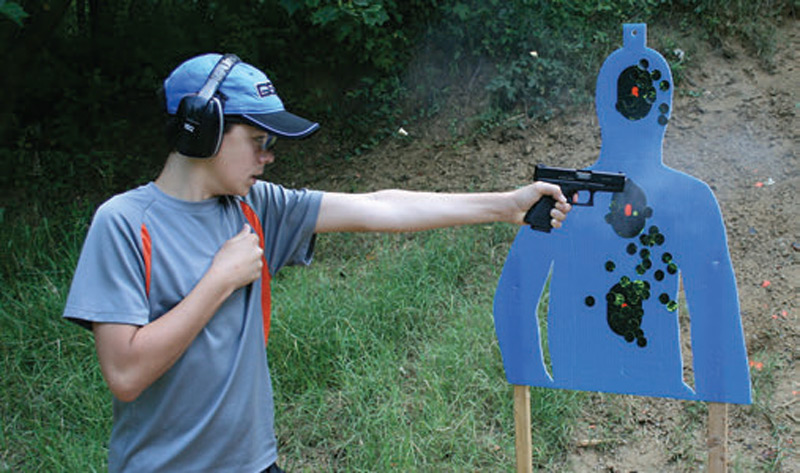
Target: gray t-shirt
144	252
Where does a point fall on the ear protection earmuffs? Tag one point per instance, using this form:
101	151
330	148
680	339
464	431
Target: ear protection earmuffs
201	115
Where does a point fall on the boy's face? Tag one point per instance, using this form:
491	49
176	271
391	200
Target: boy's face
240	160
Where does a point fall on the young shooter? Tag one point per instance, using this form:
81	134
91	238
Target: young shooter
173	278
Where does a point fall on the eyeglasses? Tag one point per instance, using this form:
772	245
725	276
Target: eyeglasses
266	142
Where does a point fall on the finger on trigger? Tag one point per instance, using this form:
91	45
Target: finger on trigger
556	192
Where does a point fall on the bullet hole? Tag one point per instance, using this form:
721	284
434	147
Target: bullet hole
635	92
628	211
672	306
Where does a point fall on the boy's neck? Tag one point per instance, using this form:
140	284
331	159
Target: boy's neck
183	178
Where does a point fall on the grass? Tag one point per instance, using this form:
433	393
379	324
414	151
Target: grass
54	407
402	369
383	356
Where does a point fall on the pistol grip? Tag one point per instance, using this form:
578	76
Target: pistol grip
538	216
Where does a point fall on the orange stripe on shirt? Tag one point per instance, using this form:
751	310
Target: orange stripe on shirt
266	278
147	249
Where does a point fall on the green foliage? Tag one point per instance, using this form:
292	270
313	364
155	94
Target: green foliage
375	32
752	22
546	52
13	11
354	23
84	113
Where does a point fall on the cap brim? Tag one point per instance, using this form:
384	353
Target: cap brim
284	124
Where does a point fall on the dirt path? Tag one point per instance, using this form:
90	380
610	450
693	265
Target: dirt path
735	126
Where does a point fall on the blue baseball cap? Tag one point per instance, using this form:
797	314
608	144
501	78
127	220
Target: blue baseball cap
246	92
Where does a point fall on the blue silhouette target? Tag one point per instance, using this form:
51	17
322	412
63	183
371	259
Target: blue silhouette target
614	269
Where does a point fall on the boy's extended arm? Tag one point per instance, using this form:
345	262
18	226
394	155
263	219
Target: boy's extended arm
401	211
133	357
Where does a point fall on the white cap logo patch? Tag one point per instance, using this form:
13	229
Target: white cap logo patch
265	89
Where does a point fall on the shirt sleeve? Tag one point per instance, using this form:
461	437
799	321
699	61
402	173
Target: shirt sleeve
109	280
288	217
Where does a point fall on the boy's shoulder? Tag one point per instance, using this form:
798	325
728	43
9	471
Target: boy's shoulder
268	192
131	204
138	196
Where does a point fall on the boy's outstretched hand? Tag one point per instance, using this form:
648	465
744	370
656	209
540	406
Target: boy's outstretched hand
529	195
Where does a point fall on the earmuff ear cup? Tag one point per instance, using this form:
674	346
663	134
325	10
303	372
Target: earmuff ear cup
201	126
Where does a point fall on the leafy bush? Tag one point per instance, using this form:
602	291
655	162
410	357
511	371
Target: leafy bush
84	86
13	11
751	22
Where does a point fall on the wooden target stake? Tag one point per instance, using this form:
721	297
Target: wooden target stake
717	437
522	428
717	441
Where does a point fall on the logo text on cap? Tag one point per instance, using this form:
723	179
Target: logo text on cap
265	89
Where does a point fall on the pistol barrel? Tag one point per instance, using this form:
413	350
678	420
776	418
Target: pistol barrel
585	179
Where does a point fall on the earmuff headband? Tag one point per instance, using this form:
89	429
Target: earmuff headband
217	76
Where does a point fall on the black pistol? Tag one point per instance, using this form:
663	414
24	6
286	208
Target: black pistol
572	182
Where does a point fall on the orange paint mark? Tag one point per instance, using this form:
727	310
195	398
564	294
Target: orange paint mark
783	315
628	210
635	91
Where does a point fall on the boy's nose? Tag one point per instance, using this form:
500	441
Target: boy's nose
266	157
